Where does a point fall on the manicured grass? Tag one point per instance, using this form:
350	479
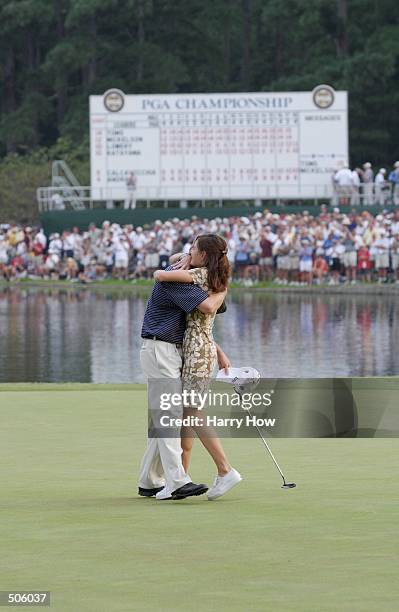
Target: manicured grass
145	286
71	521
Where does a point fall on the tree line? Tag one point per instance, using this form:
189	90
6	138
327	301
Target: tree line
55	53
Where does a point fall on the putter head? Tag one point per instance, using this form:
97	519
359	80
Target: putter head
244	380
289	485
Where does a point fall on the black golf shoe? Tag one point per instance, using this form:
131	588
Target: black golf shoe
149	492
189	490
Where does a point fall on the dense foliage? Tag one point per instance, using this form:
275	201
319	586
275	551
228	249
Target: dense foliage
55	53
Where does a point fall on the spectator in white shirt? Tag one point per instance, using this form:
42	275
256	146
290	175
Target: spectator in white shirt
381	185
41	238
57	202
355	197
55	245
121	254
68	243
381	246
3	250
138	239
368	181
343	179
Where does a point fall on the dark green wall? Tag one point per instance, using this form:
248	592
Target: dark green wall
58	221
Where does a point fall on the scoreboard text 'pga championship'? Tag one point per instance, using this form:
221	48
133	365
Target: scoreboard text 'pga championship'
218	146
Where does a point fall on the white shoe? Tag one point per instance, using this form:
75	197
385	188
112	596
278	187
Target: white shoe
223	484
166	493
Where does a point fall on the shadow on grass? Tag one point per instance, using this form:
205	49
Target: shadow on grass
128	501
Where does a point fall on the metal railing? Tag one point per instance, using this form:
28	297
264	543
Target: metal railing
63	196
65	188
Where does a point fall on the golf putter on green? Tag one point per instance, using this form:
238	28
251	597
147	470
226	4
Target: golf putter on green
245	380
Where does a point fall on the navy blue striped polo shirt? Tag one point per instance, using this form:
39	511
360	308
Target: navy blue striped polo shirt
165	316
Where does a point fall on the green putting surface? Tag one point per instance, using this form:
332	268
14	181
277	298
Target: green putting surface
71	521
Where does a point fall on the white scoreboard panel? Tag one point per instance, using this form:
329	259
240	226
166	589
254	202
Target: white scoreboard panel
211	146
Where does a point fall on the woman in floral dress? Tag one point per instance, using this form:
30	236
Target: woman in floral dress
207	265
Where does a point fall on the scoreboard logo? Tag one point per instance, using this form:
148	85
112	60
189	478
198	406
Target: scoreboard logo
114	100
323	96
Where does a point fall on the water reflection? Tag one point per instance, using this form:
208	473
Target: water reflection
313	336
94	336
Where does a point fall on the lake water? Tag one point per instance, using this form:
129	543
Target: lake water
87	335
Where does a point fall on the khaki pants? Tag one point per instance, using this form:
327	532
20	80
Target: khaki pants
161	362
368	196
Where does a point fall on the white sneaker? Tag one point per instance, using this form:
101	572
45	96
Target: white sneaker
223	484
166	493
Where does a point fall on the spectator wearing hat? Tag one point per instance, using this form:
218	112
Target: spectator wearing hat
41	239
368	181
281	252
349	257
336	253
121	245
266	257
323	215
138	239
57	202
343	179
55	244
242	257
370	238
364	263
131	186
254	251
355	195
52	264
306	261
394	179
381	187
14	235
68	242
381	246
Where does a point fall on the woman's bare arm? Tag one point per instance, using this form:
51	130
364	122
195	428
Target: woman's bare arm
219	297
212	303
223	360
173	276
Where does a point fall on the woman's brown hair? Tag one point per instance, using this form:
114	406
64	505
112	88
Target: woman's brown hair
215	248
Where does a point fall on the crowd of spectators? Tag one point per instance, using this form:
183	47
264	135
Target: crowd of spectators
294	249
366	187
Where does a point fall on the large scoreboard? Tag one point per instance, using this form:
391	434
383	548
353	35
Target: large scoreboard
217	146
